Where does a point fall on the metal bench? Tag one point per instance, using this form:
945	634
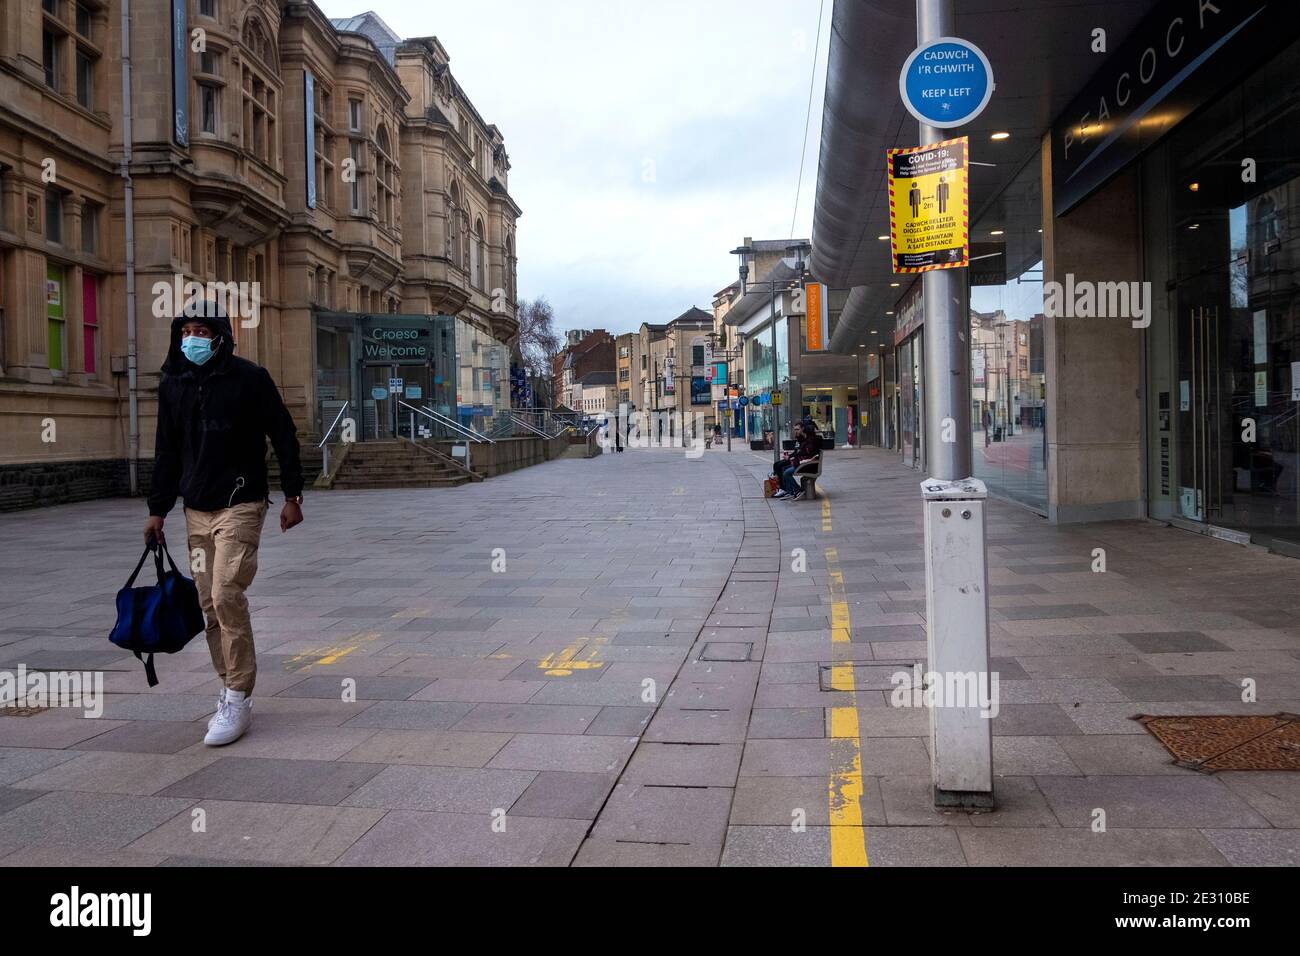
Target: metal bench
808	473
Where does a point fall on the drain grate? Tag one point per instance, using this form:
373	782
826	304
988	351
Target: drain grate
1211	744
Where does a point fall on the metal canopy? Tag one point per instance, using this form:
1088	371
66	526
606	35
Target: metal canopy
1041	55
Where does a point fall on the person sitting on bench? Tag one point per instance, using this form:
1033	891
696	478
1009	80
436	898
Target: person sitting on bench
807	449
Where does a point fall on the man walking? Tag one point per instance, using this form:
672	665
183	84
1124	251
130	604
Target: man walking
215	413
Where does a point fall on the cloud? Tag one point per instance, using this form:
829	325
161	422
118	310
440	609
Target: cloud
645	140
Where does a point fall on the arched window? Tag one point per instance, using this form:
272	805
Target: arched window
480	256
385	179
259	83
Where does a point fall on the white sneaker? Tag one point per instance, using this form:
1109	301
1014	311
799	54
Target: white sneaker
221	701
781	494
232	720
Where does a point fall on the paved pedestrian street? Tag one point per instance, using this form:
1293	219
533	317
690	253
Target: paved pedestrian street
639	660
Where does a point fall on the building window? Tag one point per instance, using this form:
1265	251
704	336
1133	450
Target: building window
83	21
54	216
208	8
50	50
259	97
453	225
208	108
354	151
385	181
354	115
85	78
56	323
480	256
90	321
90	227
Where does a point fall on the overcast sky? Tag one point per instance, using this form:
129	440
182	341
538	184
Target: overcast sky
645	140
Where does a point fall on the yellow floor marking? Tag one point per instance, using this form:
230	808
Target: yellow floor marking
848	839
568	661
826	513
325	656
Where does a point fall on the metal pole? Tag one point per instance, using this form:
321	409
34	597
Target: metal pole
956	565
128	216
947	317
776	409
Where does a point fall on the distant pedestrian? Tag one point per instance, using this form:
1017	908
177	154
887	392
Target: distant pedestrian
215	413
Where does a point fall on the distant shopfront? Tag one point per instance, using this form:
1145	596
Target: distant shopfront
387	367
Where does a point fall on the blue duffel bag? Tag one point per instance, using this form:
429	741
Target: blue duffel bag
160	618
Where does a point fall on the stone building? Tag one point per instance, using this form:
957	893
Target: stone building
330	172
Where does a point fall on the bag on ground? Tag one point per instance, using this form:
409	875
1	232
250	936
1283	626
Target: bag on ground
160	618
770	486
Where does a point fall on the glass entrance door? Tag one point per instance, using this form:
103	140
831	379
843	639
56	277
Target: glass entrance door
1232	248
387	390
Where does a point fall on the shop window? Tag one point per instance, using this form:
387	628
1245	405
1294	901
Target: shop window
90	321
1008	377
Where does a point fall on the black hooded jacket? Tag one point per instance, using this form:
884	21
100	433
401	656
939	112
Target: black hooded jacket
213	423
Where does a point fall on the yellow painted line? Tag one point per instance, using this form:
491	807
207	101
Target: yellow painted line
845	787
826	513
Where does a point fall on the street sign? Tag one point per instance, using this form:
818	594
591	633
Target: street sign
743	401
929	206
946	82
776	398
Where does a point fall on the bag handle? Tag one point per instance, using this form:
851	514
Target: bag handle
140	564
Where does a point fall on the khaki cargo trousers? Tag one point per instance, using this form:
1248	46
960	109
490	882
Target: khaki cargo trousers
223	558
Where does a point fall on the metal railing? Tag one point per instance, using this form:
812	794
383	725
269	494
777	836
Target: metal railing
445	425
324	445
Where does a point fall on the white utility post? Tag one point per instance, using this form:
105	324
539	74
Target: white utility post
956	575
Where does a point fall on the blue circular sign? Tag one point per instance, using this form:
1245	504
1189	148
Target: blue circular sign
947	82
743	400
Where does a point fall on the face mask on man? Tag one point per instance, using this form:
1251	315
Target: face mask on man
197	349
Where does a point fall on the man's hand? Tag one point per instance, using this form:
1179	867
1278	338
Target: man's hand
290	515
153	530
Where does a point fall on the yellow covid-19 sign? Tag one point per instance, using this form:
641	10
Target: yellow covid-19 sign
929	206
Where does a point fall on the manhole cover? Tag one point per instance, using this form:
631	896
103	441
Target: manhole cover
727	651
878	675
1211	744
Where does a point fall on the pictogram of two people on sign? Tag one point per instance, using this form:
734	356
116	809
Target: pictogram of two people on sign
941	195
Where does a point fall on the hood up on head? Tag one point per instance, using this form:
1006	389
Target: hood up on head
212	315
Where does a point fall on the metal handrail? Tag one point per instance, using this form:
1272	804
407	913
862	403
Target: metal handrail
324	444
451	423
527	426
